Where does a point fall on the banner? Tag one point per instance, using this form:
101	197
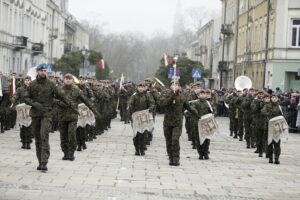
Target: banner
23	117
208	127
86	116
142	121
277	129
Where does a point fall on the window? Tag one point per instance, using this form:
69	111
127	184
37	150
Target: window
296	33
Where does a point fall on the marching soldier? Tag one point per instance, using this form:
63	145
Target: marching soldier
272	110
233	112
41	94
141	100
82	133
203	107
241	114
258	121
68	118
174	102
246	107
4	102
18	98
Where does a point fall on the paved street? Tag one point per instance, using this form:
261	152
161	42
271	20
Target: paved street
109	170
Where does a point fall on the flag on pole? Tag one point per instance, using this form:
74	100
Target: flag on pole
166	60
101	64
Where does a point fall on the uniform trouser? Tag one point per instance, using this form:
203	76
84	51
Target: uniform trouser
139	142
274	147
260	140
41	128
234	125
188	126
194	133
241	125
202	149
12	118
81	136
249	134
172	136
25	134
68	140
90	132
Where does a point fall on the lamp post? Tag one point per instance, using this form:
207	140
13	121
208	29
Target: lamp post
85	52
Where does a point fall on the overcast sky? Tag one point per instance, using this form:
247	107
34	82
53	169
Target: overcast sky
145	16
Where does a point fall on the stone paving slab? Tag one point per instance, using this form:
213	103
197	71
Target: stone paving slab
109	170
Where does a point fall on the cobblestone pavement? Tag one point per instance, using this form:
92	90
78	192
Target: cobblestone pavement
109	170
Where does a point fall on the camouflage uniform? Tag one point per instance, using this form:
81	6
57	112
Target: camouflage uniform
174	105
230	100
4	104
272	110
25	132
137	102
246	107
41	93
68	119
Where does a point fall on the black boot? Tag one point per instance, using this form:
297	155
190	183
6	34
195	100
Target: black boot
231	133
23	146
277	162
206	157
176	163
260	155
201	157
84	146
256	151
241	139
66	157
270	159
137	153
142	152
78	148
171	163
39	167
44	167
28	146
235	136
71	157
248	146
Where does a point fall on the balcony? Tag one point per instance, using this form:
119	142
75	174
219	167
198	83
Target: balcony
227	29
223	66
20	42
37	48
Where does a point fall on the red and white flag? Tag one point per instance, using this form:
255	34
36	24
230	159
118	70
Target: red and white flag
101	64
166	60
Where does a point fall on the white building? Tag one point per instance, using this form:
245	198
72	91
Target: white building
22	34
206	50
37	31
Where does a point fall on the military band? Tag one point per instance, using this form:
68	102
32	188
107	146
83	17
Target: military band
54	106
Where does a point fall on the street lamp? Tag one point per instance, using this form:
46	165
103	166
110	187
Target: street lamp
85	52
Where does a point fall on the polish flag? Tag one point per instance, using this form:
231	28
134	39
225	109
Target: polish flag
167	60
12	86
101	64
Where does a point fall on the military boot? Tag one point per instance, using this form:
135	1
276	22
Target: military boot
71	157
44	167
23	146
66	157
270	158
176	163
78	148
231	133
28	146
142	152
84	147
39	167
277	162
171	162
206	157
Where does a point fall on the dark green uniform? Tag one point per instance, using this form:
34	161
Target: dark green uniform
41	93
174	105
203	108
101	97
246	107
25	132
272	110
258	123
239	102
4	104
232	110
137	102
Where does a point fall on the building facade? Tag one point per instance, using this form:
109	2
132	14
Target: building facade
268	48
23	34
34	32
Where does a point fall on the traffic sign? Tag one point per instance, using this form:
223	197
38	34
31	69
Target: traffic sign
171	73
196	73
